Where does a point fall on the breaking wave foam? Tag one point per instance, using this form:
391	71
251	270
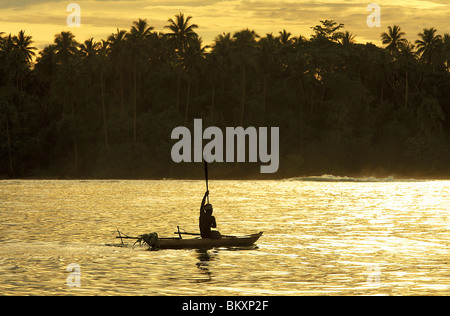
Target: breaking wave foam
332	178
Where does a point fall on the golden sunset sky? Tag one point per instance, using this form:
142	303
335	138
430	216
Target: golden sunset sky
44	18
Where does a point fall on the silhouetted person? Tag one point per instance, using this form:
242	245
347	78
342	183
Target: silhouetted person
206	220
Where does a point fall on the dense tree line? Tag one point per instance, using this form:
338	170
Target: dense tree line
107	108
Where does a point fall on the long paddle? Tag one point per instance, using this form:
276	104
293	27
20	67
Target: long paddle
206	177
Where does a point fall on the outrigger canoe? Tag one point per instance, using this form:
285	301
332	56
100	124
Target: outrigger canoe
155	242
201	243
195	242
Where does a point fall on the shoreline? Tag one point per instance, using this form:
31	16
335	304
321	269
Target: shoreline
326	177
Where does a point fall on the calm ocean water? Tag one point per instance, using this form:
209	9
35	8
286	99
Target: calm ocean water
322	236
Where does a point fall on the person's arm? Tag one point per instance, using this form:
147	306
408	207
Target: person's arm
203	202
213	222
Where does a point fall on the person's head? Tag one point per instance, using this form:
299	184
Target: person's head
208	209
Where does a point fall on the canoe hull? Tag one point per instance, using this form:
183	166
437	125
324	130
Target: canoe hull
206	243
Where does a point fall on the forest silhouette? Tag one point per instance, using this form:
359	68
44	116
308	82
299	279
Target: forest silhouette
106	109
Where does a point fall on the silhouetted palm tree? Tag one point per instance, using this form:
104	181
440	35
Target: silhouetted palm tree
222	49
45	66
267	57
7	109
393	39
181	36
222	46
10	62
285	37
65	46
139	33
17	54
101	56
407	58
117	40
93	55
117	43
23	45
182	33
88	50
65	49
299	40
428	44
194	56
213	68
88	68
347	38
245	45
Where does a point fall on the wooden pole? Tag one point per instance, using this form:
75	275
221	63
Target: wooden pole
206	177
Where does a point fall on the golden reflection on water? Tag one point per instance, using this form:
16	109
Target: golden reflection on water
320	237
